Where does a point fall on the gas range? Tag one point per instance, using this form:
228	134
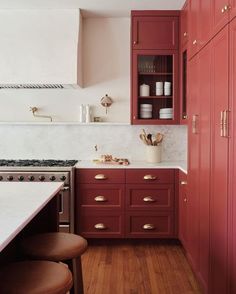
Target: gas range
49	170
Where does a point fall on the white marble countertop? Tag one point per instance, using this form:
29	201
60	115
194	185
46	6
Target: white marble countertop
20	203
182	165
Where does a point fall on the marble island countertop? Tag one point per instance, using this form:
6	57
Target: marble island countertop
20	203
182	165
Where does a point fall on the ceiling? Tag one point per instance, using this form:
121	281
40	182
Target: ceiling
95	8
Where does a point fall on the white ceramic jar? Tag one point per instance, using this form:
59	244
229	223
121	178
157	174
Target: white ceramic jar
153	154
144	90
159	88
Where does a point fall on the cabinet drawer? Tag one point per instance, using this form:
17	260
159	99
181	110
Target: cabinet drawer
101	225
101	196
148	176
158	197
149	225
100	176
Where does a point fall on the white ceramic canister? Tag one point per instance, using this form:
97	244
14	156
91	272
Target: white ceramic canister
144	90
153	154
81	113
159	88
87	113
167	88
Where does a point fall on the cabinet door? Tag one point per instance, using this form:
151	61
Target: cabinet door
220	14
155	32
183	86
184	24
204	162
219	166
154	85
193	159
193	44
182	207
204	22
232	155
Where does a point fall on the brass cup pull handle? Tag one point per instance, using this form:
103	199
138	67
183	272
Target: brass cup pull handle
148	199
100	199
100	226
183	182
148	227
100	177
149	177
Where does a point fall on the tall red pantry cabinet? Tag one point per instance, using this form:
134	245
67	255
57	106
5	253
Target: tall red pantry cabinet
212	155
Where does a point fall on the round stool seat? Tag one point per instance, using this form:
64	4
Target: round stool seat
54	246
35	277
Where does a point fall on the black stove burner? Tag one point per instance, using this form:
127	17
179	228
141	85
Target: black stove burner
36	162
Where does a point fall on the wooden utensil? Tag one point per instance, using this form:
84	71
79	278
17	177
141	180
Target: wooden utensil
159	137
149	139
143	138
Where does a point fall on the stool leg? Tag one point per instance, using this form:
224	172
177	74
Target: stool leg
76	268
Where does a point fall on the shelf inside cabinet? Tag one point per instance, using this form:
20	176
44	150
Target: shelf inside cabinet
155	73
155	97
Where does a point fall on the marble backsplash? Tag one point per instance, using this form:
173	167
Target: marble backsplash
78	141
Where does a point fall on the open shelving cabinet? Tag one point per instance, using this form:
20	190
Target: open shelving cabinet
150	67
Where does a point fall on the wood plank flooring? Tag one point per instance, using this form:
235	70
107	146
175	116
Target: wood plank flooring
137	267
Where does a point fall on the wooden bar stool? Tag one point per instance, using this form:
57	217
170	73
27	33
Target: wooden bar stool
58	247
35	277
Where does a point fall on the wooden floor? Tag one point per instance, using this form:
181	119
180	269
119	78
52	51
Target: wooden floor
137	267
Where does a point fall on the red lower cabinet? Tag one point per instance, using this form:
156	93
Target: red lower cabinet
139	204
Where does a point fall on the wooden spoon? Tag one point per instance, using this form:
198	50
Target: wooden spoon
143	138
159	137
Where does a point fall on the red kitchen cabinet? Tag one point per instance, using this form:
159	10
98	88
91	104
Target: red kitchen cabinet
154	64
155	29
184	25
150	67
183	199
232	161
205	64
183	85
192	244
200	25
221	10
219	164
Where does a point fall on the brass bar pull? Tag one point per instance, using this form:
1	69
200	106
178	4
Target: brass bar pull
100	226
183	183
221	123
100	199
148	227
149	177
100	177
226	123
149	199
194	124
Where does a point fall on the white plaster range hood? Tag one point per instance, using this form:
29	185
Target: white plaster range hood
40	48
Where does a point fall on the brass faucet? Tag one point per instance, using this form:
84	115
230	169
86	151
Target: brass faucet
35	109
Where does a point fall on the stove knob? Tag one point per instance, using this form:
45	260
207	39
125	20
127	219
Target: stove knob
52	178
31	178
9	178
63	178
41	178
1	178
21	178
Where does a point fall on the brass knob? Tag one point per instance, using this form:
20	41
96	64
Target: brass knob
185	199
149	177
100	177
194	42
100	226
185	116
223	10
148	199
185	34
183	183
100	199
148	227
135	42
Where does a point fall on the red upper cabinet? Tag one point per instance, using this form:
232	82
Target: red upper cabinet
220	14
184	25
154	30
200	25
155	67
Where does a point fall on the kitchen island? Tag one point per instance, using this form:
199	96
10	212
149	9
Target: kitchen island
20	203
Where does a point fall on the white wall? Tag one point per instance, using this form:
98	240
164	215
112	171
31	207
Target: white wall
106	70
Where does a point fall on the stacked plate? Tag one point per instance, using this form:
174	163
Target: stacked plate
145	110
166	113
